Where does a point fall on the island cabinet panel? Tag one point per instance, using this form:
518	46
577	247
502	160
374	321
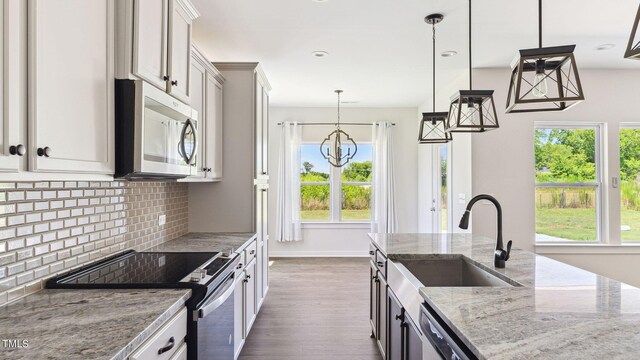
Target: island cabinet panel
395	343
71	87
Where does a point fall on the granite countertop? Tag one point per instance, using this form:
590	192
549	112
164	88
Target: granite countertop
559	312
206	242
86	324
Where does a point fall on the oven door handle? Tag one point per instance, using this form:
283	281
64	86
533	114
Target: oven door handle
211	306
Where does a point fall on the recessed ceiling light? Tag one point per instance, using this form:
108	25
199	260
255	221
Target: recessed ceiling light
320	54
350	102
320	1
449	53
605	47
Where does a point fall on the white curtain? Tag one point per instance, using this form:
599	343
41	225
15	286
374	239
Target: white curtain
384	219
288	209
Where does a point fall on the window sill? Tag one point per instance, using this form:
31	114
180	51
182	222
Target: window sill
593	248
336	225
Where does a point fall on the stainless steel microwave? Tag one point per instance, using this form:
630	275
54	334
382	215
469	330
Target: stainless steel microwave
156	135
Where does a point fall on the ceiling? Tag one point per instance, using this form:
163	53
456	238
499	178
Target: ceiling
380	50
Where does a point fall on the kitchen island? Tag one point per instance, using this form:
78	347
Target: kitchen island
551	310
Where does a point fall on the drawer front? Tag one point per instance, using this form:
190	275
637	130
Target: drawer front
250	252
181	353
166	341
381	263
372	252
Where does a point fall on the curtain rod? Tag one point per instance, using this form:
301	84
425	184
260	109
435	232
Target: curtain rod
334	124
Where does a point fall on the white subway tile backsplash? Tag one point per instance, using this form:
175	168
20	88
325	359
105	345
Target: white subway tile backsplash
48	227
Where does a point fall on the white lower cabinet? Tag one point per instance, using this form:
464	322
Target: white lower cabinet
247	293
167	343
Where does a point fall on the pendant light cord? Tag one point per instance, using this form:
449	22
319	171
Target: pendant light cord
540	23
338	124
470	71
433	26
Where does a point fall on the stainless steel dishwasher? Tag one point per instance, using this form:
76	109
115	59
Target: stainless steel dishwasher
447	344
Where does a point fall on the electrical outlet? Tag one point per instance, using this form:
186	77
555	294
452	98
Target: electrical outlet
162	219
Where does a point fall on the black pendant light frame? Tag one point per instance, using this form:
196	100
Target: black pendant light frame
633	48
480	115
534	68
433	125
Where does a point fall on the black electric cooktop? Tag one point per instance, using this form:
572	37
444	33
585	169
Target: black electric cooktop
142	268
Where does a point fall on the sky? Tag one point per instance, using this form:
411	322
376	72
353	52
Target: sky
311	153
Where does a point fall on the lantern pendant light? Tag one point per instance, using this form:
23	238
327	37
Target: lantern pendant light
433	124
472	110
633	48
544	79
338	147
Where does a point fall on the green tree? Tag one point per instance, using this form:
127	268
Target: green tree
357	171
307	166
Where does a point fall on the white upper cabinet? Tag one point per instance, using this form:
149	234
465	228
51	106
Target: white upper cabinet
70	89
154	43
150	41
206	92
12	147
198	91
213	130
179	50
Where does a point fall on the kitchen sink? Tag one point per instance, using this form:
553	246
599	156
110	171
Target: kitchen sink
451	272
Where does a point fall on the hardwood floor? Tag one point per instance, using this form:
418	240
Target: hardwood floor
316	309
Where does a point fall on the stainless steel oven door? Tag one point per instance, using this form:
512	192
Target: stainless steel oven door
169	136
215	323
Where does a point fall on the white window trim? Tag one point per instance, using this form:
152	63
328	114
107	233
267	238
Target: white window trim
602	214
335	201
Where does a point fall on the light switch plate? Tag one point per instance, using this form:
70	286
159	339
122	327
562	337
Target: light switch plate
162	219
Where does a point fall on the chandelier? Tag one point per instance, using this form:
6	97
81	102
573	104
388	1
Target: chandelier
338	147
633	48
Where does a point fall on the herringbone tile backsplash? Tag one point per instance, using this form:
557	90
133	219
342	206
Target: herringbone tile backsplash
50	227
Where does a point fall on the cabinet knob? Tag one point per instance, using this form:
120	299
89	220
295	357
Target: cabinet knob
174	83
380	264
46	151
19	150
239	266
252	252
371	252
165	78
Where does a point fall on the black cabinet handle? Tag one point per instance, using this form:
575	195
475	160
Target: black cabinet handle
166	78
252	252
248	277
371	252
380	264
172	343
46	151
17	150
374	277
174	83
404	350
400	317
264	173
239	266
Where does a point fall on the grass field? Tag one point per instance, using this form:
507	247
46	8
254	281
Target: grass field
580	224
347	215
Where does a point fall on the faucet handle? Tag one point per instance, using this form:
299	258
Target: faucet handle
508	252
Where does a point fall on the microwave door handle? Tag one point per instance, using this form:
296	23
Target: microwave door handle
212	305
183	150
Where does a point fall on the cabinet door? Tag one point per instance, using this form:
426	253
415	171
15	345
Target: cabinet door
265	242
265	132
373	299
238	316
413	343
71	72
382	318
179	51
259	274
395	319
258	131
214	128
249	296
12	75
150	41
198	103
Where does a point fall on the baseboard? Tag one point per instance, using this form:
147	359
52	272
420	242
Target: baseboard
274	254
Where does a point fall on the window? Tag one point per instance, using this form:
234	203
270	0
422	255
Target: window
568	183
630	183
333	194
